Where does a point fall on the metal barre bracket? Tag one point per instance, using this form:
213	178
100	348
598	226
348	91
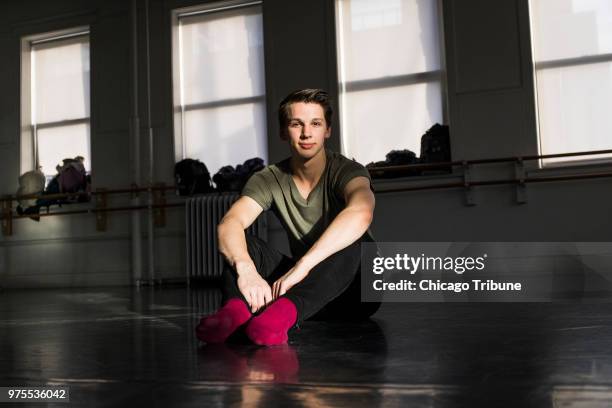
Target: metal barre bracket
101	203
7	217
159	199
519	173
468	192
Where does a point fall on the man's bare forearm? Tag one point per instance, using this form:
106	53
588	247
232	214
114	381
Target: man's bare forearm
348	226
232	242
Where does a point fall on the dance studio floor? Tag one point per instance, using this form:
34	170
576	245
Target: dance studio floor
118	347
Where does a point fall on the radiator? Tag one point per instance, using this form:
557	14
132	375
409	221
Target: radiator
202	215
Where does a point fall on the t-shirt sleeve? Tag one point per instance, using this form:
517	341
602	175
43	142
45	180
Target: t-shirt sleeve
347	171
258	188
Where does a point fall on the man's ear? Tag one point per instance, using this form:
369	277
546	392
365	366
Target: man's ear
328	132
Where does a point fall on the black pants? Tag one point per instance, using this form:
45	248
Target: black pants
331	291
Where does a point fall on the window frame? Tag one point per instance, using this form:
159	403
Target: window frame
440	75
559	63
179	110
29	159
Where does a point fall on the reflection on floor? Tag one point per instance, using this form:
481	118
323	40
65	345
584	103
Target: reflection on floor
127	347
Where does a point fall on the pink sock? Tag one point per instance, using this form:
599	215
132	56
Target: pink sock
271	326
216	328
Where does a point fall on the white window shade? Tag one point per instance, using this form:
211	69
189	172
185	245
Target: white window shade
222	56
381	119
227	135
571	28
61	80
220	115
572	103
388	38
58	143
390	75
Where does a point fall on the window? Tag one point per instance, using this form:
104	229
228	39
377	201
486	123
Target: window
572	52
56	104
219	88
390	74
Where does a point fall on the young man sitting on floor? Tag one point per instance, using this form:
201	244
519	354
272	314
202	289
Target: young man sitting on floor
325	203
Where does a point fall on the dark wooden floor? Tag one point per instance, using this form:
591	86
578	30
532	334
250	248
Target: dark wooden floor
126	347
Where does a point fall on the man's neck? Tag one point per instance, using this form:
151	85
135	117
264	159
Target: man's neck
309	171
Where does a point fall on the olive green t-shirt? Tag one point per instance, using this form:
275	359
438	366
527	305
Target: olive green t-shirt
305	220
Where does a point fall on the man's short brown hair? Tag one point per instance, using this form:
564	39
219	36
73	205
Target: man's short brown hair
318	96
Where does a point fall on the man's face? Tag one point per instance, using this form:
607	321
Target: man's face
306	129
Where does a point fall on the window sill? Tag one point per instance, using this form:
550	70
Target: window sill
382	184
572	168
560	169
